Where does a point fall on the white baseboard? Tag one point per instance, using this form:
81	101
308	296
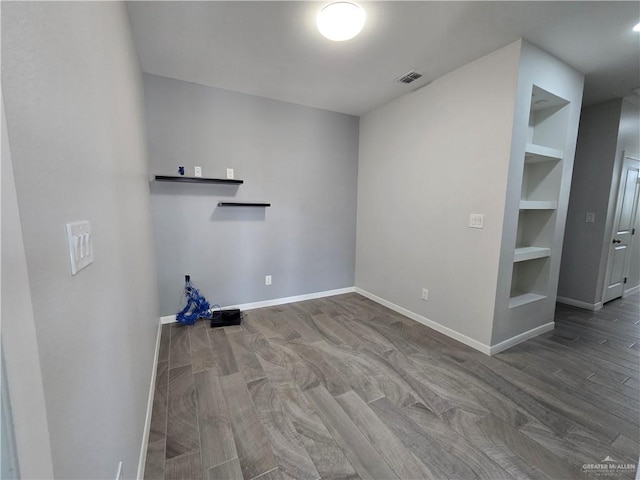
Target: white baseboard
534	332
276	301
631	291
449	332
594	307
429	323
147	422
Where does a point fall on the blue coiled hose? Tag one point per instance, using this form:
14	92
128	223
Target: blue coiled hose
196	307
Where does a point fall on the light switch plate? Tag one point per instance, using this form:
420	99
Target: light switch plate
80	245
230	173
197	171
476	220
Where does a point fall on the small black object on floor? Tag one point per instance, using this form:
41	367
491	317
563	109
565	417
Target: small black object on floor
227	318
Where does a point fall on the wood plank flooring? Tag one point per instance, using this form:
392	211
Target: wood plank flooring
343	388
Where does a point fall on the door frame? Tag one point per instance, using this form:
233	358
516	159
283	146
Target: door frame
611	233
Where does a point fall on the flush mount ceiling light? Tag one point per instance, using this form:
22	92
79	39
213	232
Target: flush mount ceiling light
340	21
636	28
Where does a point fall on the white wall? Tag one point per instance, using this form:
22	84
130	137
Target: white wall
73	96
536	67
302	160
428	160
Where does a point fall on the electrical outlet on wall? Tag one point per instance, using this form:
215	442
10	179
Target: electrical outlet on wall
230	173
425	294
590	217
267	280
198	171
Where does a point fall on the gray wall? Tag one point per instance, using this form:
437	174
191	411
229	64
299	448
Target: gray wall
628	142
21	360
427	161
606	131
73	95
302	160
592	176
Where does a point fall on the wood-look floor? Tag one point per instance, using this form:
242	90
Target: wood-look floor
342	388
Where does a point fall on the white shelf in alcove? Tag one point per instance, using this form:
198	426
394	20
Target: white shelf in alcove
537	153
538	205
523	299
523	254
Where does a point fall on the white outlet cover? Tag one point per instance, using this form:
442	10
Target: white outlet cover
80	245
198	171
590	217
476	220
230	174
267	280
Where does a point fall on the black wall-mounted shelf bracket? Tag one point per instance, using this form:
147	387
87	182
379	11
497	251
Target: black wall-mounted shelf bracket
170	178
243	204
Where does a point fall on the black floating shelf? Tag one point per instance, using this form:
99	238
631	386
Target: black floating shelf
168	178
243	204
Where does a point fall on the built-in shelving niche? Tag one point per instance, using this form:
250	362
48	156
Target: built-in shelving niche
535	228
523	254
529	281
548	119
541	176
541	182
538	205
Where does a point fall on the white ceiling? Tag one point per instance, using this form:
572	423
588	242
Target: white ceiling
272	48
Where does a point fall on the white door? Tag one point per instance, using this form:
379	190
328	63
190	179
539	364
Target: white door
624	220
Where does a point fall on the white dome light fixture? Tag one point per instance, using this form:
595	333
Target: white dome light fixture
340	21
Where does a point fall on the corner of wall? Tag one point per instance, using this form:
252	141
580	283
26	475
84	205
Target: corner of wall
593	175
300	159
19	340
147	423
93	333
544	71
424	160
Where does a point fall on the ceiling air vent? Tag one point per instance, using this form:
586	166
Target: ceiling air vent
409	77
